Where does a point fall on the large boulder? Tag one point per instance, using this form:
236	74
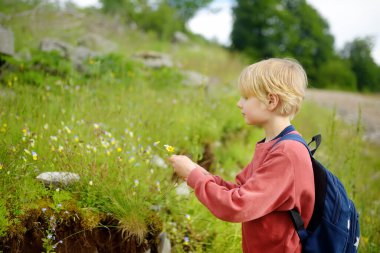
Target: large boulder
154	59
6	41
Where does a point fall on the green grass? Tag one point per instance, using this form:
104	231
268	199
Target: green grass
108	122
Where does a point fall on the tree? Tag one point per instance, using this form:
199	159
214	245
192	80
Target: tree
162	16
256	28
278	28
358	53
186	9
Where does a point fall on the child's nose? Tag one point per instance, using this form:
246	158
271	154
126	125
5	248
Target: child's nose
238	104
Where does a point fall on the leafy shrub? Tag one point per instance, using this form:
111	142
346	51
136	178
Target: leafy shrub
336	74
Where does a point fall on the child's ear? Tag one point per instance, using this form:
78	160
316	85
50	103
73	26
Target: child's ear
273	101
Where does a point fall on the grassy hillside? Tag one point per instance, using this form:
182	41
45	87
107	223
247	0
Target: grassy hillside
114	121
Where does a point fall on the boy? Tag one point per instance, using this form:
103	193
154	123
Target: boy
279	177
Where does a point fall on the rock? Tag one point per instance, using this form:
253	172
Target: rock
180	37
159	162
192	78
153	59
97	42
24	55
77	55
6	41
80	54
58	178
183	189
164	245
63	48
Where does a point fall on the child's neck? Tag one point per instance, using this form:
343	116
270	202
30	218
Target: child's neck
274	127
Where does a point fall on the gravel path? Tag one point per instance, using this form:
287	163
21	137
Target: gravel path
347	106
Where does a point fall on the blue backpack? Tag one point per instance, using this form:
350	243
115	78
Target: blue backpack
334	225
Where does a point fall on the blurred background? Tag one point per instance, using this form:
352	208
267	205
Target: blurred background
337	32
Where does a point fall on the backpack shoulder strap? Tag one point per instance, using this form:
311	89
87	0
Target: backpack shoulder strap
294	213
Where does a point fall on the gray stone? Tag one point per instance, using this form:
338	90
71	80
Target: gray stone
80	54
6	41
77	55
164	245
192	78
153	59
58	178
63	48
180	37
97	42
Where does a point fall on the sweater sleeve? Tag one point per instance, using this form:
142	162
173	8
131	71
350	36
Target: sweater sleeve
221	182
270	187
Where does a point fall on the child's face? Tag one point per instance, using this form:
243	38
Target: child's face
254	111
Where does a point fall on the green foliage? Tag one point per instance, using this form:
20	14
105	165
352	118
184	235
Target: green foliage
291	29
367	73
186	9
13	6
161	17
4	223
41	69
336	74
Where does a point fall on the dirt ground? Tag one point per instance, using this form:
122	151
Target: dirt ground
348	105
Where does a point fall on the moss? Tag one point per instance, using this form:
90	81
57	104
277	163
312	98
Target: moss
90	218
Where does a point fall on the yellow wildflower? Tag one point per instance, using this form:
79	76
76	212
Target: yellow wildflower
35	156
25	132
169	148
119	149
1	166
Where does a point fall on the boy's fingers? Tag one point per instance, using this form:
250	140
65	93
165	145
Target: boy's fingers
171	158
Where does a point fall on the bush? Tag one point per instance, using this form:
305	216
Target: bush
336	74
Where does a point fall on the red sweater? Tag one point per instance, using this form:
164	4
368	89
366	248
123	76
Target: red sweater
275	181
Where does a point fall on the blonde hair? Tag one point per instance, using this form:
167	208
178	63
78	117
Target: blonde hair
282	77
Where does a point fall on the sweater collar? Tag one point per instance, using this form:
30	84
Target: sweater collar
287	130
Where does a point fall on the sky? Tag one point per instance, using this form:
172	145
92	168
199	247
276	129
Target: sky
348	19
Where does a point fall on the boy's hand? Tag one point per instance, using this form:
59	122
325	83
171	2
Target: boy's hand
182	165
